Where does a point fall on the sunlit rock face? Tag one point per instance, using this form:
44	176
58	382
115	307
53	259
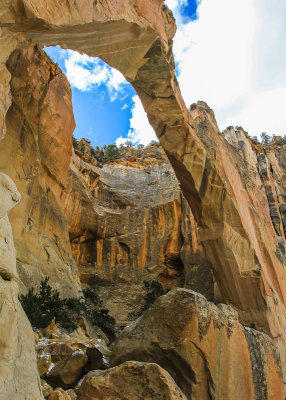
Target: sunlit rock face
18	368
129	223
35	153
130	380
205	349
234	205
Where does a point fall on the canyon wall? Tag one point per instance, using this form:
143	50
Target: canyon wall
236	190
129	223
18	371
39	127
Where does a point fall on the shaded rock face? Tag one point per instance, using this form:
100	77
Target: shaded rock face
39	127
130	224
129	381
209	354
18	369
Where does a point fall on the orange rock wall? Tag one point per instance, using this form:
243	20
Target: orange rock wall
130	224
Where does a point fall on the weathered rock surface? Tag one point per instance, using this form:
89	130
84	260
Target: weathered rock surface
242	237
19	379
209	354
64	359
59	394
39	125
66	373
46	389
128	222
129	381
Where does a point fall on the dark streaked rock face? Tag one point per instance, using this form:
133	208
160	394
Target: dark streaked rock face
129	223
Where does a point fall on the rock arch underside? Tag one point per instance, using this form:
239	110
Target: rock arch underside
228	185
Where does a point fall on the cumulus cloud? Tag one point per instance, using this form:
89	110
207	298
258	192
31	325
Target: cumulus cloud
233	57
140	131
85	73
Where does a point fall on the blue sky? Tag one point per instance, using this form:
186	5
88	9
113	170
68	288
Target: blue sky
229	53
102	112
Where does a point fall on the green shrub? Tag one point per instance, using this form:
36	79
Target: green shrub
94	312
157	153
154	290
47	305
111	152
75	143
281	141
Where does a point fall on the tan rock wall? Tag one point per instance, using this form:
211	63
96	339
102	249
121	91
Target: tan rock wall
18	369
39	125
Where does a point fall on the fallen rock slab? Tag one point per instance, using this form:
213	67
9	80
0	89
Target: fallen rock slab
209	354
132	380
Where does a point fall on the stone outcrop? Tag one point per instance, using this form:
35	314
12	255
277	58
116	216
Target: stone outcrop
39	127
209	354
129	381
18	370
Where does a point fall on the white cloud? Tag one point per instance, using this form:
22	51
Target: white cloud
233	57
140	131
85	73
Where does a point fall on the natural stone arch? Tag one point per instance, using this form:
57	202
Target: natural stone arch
135	37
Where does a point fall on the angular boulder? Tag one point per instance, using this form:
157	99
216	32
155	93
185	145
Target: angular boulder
205	349
130	381
67	372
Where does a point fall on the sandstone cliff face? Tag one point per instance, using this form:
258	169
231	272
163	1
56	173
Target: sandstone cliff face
129	223
18	370
237	231
239	212
39	127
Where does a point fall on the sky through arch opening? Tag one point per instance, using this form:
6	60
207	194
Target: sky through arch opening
106	107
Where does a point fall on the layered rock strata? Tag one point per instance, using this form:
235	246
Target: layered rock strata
129	223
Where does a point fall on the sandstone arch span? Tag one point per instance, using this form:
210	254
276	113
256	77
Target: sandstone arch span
136	38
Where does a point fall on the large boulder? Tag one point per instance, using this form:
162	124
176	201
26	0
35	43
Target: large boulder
66	373
205	349
130	381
